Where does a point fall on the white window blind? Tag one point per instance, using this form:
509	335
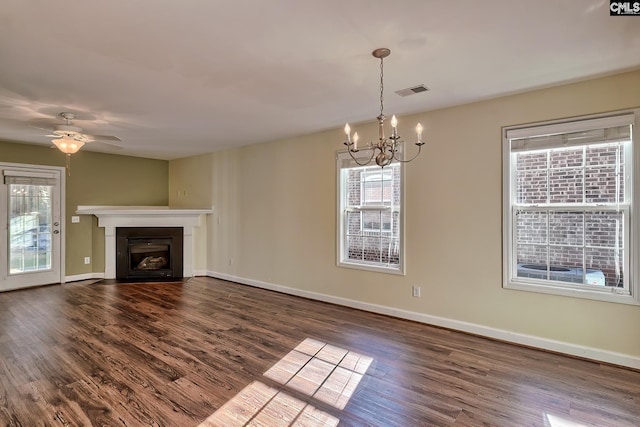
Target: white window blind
28	178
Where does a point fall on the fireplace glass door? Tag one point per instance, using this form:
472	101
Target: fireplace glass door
147	255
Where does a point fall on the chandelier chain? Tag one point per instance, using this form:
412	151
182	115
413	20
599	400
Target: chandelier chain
381	85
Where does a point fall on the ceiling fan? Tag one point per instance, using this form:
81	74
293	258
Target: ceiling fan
69	138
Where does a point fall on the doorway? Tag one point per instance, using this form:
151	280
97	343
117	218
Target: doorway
32	226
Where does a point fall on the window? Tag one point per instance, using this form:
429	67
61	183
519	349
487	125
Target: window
568	208
369	216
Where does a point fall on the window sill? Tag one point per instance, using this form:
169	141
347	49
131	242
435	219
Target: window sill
604	295
372	268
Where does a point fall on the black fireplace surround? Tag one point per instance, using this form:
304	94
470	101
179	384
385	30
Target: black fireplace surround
149	253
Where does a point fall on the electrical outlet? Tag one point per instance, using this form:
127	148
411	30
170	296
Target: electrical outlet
75	219
415	291
87	260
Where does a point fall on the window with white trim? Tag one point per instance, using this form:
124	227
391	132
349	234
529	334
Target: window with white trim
568	208
369	216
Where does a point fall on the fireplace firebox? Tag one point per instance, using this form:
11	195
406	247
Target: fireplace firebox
149	253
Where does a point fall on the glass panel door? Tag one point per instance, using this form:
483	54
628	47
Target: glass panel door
32	233
30	220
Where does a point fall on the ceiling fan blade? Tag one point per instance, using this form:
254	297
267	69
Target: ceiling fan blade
40	128
103	137
107	144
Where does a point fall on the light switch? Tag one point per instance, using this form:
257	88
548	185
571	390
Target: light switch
75	218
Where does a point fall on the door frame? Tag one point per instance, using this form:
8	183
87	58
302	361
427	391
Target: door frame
61	203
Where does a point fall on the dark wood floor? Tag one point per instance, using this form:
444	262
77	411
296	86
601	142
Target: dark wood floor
177	354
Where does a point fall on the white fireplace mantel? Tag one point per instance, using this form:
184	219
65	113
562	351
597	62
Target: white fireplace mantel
111	217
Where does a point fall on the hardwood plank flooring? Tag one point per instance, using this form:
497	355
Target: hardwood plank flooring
206	352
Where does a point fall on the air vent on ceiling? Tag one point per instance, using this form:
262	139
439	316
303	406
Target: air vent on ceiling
412	90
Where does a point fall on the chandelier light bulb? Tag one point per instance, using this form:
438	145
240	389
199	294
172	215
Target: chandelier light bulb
419	132
347	130
394	126
356	137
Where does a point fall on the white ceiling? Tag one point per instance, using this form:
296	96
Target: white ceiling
179	78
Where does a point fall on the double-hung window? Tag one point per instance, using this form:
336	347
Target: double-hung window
570	221
369	216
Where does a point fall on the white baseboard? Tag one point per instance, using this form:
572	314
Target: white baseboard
499	334
85	276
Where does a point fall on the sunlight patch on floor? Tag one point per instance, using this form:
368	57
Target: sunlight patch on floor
321	371
325	372
556	421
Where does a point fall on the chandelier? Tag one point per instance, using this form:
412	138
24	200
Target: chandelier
386	150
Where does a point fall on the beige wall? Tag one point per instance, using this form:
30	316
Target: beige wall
190	186
96	179
275	220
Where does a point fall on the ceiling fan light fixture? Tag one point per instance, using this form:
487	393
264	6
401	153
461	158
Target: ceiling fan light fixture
68	145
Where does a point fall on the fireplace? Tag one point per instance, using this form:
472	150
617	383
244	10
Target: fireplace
149	252
190	221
